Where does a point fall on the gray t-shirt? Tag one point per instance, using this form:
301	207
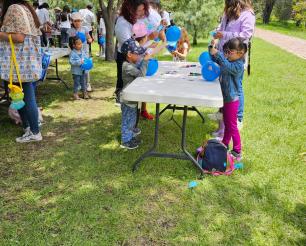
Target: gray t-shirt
130	72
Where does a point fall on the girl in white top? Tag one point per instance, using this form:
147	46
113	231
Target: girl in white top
183	47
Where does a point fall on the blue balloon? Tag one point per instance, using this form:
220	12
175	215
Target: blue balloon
173	34
152	67
204	58
87	65
101	40
210	71
81	36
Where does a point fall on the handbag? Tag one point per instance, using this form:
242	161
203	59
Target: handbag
16	92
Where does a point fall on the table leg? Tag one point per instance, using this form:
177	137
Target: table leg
57	75
199	113
183	143
152	152
58	78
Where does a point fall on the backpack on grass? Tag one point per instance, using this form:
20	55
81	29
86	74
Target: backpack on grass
215	159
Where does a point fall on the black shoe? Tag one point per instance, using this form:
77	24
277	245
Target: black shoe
132	144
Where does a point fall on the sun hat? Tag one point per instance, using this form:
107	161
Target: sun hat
76	16
58	9
139	30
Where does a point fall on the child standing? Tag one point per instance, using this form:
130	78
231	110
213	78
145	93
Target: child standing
183	46
130	71
232	68
238	21
82	32
76	59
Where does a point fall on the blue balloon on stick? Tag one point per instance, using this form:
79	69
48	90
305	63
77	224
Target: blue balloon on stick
81	36
152	67
204	58
173	34
87	65
171	46
210	71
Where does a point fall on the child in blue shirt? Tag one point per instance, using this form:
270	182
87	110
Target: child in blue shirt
76	60
232	68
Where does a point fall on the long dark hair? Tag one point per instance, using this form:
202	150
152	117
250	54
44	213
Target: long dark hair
8	3
129	8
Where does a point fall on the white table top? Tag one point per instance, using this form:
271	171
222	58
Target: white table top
173	85
57	53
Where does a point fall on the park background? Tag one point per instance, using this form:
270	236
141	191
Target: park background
76	187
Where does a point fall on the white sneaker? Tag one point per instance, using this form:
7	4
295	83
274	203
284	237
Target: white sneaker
239	125
215	116
29	137
27	131
89	89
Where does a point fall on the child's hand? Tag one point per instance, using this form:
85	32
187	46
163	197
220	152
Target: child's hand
213	51
147	57
218	35
82	61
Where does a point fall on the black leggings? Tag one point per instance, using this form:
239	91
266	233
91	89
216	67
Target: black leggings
119	61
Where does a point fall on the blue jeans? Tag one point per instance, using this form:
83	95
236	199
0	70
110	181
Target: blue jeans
129	117
64	37
29	113
241	100
78	80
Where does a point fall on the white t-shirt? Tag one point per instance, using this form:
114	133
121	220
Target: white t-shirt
43	16
123	28
66	24
88	18
102	26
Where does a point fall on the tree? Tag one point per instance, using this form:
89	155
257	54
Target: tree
269	4
299	12
283	9
109	13
198	16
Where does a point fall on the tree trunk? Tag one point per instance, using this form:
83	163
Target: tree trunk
109	13
269	4
195	36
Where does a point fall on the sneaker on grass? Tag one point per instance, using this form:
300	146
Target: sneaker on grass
132	144
29	137
239	125
136	132
237	156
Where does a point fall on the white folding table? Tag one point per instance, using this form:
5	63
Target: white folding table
177	84
57	53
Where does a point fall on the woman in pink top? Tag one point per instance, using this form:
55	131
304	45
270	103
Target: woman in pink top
238	21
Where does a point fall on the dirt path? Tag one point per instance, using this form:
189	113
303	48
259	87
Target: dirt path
293	45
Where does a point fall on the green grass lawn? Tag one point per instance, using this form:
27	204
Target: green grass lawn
288	28
76	186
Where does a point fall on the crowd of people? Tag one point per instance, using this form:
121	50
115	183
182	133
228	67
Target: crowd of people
139	27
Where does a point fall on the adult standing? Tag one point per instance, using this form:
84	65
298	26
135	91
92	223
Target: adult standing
45	22
131	12
21	22
65	26
101	33
88	21
238	21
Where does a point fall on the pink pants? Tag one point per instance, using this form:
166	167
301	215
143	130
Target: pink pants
231	131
